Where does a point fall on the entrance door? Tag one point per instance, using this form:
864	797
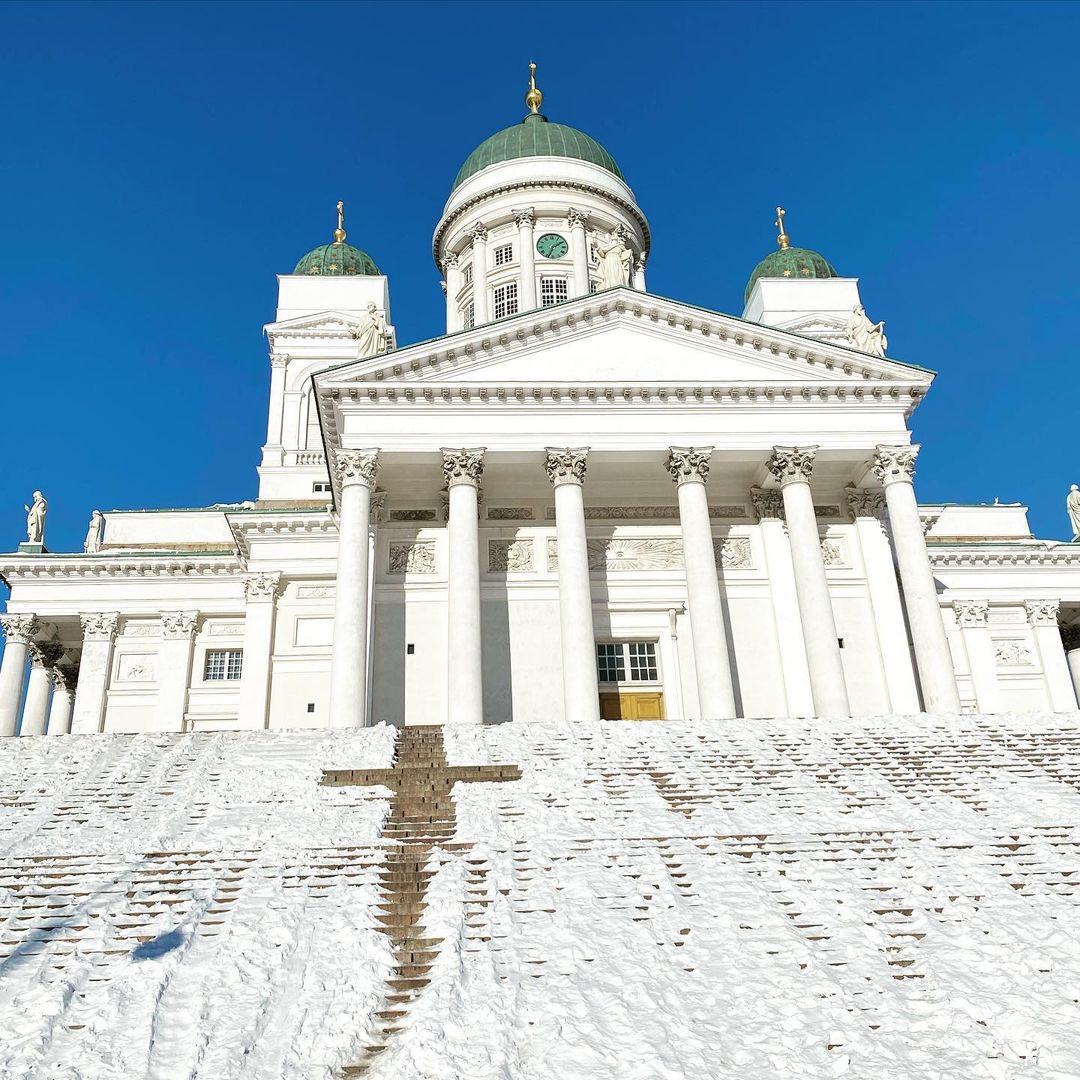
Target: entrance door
630	687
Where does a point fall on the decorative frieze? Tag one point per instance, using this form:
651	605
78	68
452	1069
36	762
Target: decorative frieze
1042	612
464	466
895	464
689	464
315	592
566	466
791	464
733	553
510	556
19	629
414	514
972	613
227	629
510	513
827	510
356	467
411	557
99	626
141	630
261	587
178	624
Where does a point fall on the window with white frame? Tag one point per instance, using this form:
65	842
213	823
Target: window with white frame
553	290
466	275
506	300
468	316
504	255
223	665
627	661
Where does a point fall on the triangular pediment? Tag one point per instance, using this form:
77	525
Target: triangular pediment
623	339
319	320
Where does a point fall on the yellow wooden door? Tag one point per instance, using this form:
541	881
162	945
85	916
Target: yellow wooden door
634	706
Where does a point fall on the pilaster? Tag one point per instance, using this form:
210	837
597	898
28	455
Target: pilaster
1042	616
973	621
99	634
260	604
174	668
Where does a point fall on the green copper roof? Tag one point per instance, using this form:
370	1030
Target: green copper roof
336	259
791	262
536	136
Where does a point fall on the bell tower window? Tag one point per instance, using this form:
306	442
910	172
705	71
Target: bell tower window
506	300
553	291
504	255
468	316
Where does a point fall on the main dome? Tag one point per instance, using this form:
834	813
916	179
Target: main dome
536	136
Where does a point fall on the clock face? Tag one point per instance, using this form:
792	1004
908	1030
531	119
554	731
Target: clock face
551	246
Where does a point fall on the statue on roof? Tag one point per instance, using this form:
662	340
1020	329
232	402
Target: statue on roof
615	258
92	543
371	332
864	335
1072	504
35	519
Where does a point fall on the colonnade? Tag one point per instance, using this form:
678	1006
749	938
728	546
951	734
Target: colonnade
50	688
791	467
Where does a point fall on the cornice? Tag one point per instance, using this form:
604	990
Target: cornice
952	557
278	524
81	567
465	209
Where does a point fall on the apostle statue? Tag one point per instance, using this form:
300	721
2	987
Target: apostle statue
1072	504
92	544
615	259
35	519
371	333
866	336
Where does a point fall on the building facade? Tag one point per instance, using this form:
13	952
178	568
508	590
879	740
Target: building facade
583	501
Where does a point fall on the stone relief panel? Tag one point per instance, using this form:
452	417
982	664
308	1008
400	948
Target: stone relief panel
834	551
1012	653
411	557
233	629
631	553
733	553
420	514
829	510
1000	616
136	667
665	512
510	556
141	630
510	513
315	592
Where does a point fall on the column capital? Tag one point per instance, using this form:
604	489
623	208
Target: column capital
478	233
768	504
865	502
19	629
895	464
261	587
356	467
576	218
177	625
525	217
279	360
792	464
45	654
689	464
463	466
972	612
448	260
566	465
99	626
65	677
1042	612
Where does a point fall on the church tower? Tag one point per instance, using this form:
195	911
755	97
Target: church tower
533	211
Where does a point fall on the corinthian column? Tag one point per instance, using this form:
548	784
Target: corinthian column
19	631
64	680
452	284
99	632
581	691
479	273
689	468
579	253
894	466
793	466
356	471
462	470
527	257
44	656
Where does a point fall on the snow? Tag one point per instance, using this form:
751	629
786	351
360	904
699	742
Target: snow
891	898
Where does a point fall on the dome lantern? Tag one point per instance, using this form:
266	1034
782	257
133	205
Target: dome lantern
337	258
790	262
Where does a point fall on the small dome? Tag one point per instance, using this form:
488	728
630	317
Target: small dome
536	136
336	259
791	262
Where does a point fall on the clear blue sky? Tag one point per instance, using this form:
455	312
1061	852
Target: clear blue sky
160	163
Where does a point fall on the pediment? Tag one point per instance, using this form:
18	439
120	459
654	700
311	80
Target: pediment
321	320
645	342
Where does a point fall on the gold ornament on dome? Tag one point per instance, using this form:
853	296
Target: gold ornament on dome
783	239
534	99
339	232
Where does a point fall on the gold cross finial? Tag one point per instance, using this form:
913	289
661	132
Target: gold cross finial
534	99
783	239
339	232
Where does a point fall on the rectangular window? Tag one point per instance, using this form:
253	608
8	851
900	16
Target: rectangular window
594	285
553	291
506	300
318	489
223	665
468	317
504	255
627	661
466	275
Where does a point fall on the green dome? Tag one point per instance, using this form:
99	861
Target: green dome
791	262
336	259
536	136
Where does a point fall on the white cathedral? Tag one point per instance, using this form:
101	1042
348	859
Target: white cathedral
583	501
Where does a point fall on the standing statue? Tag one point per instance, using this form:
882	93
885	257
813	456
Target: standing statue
92	544
35	519
866	336
371	333
615	259
1072	504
